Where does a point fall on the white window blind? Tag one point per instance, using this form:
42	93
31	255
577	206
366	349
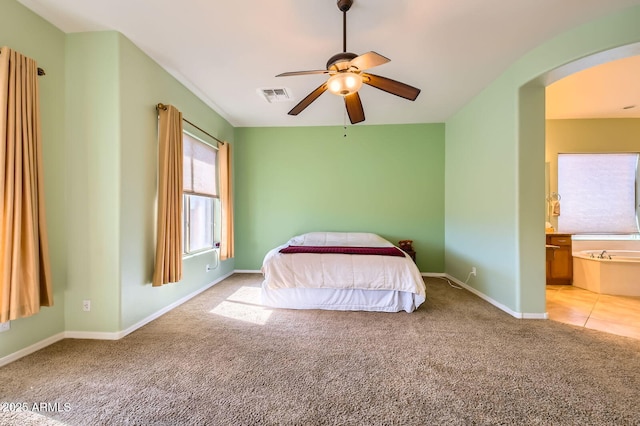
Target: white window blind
199	167
598	193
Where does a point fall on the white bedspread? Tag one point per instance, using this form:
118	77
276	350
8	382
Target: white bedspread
340	271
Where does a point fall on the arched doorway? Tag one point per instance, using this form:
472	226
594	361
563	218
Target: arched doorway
593	110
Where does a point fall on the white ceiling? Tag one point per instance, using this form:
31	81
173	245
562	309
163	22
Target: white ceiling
610	90
224	51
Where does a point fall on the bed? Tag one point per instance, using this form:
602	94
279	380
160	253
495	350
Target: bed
346	271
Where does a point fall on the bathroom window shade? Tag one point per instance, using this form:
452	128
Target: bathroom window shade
598	193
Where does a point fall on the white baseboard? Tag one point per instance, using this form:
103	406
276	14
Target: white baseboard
247	271
433	274
526	315
92	335
98	335
519	315
168	308
31	349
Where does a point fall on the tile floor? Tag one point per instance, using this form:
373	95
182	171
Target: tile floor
611	314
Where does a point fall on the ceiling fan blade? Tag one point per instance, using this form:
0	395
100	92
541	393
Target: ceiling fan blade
354	108
307	101
288	74
391	86
368	60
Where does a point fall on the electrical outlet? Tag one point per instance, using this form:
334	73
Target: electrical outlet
86	305
5	326
473	271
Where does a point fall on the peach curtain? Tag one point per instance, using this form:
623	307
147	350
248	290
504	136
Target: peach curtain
226	201
25	274
168	262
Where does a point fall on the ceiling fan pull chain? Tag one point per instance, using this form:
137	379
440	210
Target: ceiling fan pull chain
345	124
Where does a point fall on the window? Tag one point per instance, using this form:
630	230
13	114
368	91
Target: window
201	201
598	193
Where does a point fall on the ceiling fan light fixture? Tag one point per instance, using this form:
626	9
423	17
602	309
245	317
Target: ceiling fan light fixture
344	83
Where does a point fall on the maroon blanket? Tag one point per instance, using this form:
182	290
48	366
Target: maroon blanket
380	251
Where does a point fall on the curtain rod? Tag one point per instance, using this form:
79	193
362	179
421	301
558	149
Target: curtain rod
164	108
41	71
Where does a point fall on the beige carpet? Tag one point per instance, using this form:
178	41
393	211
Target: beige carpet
221	359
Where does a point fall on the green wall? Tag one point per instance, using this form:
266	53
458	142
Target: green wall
495	169
22	30
93	144
100	147
112	122
143	84
383	179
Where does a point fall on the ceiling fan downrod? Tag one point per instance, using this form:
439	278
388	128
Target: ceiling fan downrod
344	6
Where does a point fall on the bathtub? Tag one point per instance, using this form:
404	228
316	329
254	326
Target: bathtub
619	275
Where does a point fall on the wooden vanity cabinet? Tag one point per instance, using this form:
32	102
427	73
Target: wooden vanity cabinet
560	262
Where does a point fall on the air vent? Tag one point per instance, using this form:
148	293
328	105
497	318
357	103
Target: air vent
275	95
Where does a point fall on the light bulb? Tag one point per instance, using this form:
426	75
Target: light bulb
344	83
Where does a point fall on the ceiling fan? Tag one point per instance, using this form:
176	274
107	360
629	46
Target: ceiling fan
347	75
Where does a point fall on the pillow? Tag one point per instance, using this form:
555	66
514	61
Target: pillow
348	239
